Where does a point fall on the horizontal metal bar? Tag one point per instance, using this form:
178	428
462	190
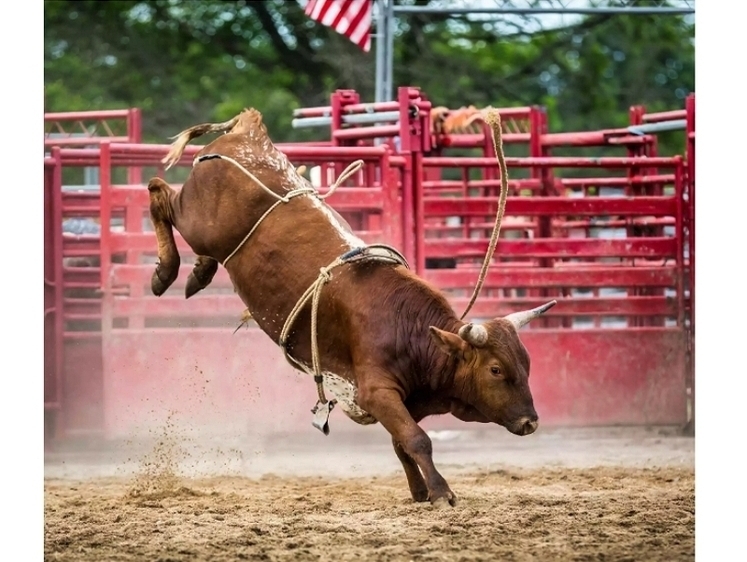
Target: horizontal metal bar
85	115
439	186
582	138
344	198
661	126
303	122
82	141
226	305
466	140
640	11
174	305
554	248
519	223
484	206
665	116
572	306
571	276
82	316
72	335
367	132
326	111
615	181
356	119
552	162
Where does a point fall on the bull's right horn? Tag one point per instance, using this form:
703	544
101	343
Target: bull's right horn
521	319
476	334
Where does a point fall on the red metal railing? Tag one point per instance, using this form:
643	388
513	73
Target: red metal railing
523	255
410	192
86	128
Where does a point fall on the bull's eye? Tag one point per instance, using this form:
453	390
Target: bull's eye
495	370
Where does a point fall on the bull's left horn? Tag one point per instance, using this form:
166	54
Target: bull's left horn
476	334
522	318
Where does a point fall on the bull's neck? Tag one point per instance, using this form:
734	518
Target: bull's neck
436	368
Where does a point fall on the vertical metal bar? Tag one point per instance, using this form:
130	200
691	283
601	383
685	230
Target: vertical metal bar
465	194
410	229
537	128
134	135
59	296
679	233
690	129
390	208
544	222
336	123
133	222
389	75
57	253
105	175
106	297
381	54
690	105
417	180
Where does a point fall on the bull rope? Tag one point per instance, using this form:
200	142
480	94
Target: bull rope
352	168
314	292
493	119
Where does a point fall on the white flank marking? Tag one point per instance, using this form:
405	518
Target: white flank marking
348	237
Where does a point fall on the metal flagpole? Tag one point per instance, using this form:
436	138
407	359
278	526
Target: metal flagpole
382	58
389	32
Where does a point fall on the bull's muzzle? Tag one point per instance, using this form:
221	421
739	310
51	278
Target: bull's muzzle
526	425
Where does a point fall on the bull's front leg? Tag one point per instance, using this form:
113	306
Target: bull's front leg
385	404
167	268
418	487
202	274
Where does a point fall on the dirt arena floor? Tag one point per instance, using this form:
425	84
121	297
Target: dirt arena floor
562	494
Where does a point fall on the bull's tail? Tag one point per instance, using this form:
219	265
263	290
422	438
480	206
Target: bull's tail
183	138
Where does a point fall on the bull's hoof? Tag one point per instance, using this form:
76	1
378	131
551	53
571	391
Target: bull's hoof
158	285
444	502
193	286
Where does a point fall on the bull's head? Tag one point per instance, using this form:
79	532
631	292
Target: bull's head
492	372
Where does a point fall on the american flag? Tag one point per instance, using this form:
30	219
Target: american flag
351	18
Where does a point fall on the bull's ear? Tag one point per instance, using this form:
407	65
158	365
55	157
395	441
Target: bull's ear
448	342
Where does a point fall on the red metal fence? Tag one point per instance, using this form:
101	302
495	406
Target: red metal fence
610	238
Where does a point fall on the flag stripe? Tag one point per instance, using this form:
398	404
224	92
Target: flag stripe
351	18
343	10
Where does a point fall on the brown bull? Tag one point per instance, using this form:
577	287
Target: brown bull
390	346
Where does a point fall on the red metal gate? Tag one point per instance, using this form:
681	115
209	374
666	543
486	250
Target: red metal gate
73	348
610	238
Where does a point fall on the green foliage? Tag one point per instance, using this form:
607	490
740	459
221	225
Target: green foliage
185	62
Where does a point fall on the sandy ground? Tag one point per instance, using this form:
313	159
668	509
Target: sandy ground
564	494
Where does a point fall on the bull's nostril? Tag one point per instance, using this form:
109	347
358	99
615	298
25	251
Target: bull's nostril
530	427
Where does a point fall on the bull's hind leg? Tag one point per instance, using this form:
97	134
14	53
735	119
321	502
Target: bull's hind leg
202	274
167	268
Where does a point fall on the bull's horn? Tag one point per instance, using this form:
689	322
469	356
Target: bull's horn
476	334
522	318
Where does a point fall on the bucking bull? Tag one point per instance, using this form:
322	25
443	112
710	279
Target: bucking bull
383	341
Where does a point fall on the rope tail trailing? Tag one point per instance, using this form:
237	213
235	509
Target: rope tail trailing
493	119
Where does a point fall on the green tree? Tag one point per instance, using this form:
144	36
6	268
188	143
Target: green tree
185	62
